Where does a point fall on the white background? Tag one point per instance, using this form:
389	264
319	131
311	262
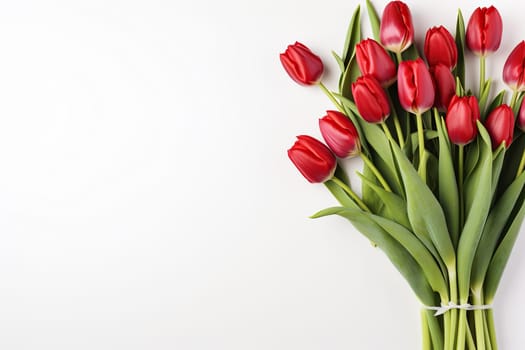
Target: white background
146	199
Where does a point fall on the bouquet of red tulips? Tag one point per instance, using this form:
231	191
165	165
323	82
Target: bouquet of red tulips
443	182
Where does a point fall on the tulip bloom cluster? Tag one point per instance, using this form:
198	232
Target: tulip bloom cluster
443	186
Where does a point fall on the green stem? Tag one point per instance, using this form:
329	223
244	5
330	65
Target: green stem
446	330
522	164
482	70
470	339
399	57
387	131
427	345
478	321
514	99
376	172
421	140
454	298
492	329
397	125
351	193
436	334
462	325
331	97
488	342
461	167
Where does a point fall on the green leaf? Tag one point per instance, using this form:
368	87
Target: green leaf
372	200
497	165
397	254
459	71
426	261
348	103
370	197
342	197
428	134
472	157
481	180
497	101
518	103
394	204
448	187
375	22
510	164
339	61
350	75
340	173
411	53
384	162
484	97
353	36
352	113
498	217
424	211
501	256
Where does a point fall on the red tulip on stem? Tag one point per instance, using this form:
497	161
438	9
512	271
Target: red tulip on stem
374	60
340	134
317	164
462	116
396	30
484	31
514	71
313	159
500	126
416	95
444	84
301	64
483	36
370	99
440	48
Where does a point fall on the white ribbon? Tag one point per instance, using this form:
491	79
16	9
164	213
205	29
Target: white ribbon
440	310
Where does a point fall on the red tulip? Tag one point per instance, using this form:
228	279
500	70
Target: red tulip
440	47
521	116
500	125
340	134
313	159
415	86
462	115
444	85
514	69
371	99
303	66
484	31
396	30
373	59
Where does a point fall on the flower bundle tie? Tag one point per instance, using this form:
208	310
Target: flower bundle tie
440	310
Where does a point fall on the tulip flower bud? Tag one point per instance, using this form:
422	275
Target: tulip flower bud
313	159
521	116
513	70
301	64
462	115
373	59
500	126
396	30
444	85
340	134
371	99
415	86
484	31
440	48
